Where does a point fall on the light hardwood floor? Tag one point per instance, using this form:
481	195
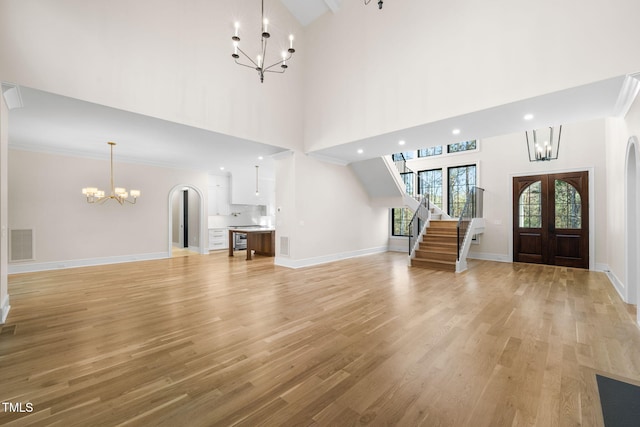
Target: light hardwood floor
208	340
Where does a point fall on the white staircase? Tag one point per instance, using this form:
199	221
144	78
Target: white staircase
382	181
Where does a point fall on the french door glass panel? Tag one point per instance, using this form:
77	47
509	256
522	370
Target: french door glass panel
568	206
530	206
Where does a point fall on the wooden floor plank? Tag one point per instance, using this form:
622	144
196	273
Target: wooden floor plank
212	340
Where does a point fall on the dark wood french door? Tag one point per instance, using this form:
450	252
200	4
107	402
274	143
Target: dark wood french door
551	219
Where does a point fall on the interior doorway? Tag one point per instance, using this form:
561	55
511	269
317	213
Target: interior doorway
186	216
632	198
551	219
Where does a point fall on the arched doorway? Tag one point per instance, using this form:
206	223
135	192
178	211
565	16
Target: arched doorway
187	220
632	198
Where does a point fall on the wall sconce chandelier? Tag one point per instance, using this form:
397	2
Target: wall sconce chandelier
259	63
119	194
545	144
366	2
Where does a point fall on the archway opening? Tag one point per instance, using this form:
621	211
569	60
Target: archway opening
186	213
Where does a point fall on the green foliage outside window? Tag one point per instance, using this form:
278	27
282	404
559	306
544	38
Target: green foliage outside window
462	146
401	218
530	206
461	180
568	206
431	151
430	182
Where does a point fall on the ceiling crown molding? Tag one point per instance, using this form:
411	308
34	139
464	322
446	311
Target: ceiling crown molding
628	93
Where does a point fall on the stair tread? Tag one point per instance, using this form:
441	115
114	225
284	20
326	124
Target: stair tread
434	265
446	251
437	261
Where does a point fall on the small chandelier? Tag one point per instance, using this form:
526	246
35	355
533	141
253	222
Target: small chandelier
366	2
545	144
119	194
259	63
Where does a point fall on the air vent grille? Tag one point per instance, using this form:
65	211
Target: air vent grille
284	245
21	245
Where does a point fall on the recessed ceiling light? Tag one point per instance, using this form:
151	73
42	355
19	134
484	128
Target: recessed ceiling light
528	116
360	151
401	142
455	131
221	168
260	157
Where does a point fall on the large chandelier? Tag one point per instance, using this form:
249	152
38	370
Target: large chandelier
544	144
119	194
259	63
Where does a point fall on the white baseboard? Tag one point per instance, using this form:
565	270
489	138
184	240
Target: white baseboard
398	244
617	284
308	262
487	256
601	267
57	265
4	310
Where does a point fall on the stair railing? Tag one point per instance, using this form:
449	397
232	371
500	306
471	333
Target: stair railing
473	207
401	165
419	219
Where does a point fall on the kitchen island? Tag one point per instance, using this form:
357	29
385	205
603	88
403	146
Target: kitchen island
260	240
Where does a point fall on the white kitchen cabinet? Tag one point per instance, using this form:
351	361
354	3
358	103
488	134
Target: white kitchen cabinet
219	195
243	189
218	239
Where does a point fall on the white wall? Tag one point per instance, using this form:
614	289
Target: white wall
369	72
169	59
325	212
44	194
618	133
4	147
500	158
175	217
194	217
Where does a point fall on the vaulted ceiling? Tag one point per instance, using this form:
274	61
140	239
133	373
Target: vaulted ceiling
50	122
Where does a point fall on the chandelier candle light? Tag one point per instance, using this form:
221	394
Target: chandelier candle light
546	144
119	194
259	63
